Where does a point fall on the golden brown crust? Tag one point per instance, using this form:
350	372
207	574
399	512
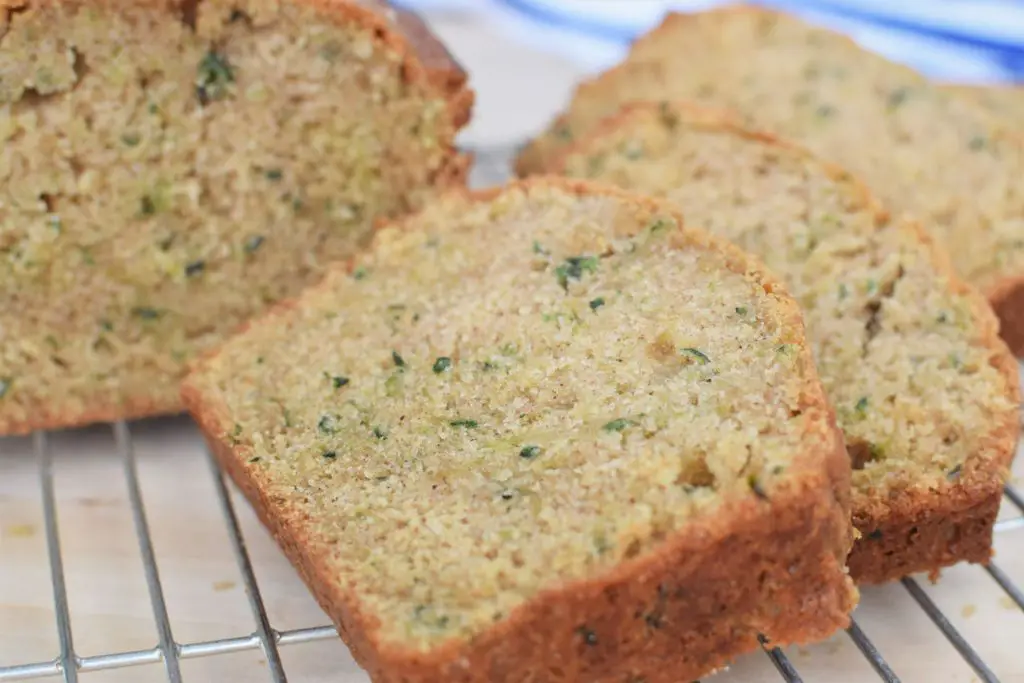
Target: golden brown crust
1007	300
47	418
536	157
929	529
677	613
922	530
425	60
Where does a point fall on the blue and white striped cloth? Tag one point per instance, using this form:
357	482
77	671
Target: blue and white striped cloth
958	40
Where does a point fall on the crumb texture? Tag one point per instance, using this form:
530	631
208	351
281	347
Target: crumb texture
908	356
922	149
513	394
1003	100
168	171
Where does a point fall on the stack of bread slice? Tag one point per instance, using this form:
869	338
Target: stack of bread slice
925	391
620	423
923	149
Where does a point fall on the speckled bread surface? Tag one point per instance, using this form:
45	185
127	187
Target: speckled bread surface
923	150
171	169
1004	99
924	389
542	433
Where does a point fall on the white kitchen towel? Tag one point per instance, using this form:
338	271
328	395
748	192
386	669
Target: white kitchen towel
959	40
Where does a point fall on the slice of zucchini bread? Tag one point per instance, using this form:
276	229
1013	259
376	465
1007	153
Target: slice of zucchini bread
542	434
170	169
921	149
924	389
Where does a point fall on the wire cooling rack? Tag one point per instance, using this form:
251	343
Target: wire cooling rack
939	645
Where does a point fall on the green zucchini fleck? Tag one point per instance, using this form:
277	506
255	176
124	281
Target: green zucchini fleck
954	473
862	406
380	433
5	385
977	143
339	381
146	313
360	273
441	364
574	269
468	424
213	76
147	205
273	174
659	225
195	268
897	97
397	359
741	310
596	303
130	139
618	424
529	452
329	455
697	354
328	424
755	485
253	243
668	116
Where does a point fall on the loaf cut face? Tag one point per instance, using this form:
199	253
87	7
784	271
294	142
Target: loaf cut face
920	148
543	433
925	391
169	170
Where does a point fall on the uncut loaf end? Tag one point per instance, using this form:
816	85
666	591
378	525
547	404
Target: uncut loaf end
170	169
925	391
542	433
922	149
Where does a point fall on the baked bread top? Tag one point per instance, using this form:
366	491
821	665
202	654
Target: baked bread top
169	170
925	391
918	147
516	391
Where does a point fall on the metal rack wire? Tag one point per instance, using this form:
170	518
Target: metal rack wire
67	664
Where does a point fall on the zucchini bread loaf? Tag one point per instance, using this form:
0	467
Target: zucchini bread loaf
925	391
171	168
922	149
542	434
